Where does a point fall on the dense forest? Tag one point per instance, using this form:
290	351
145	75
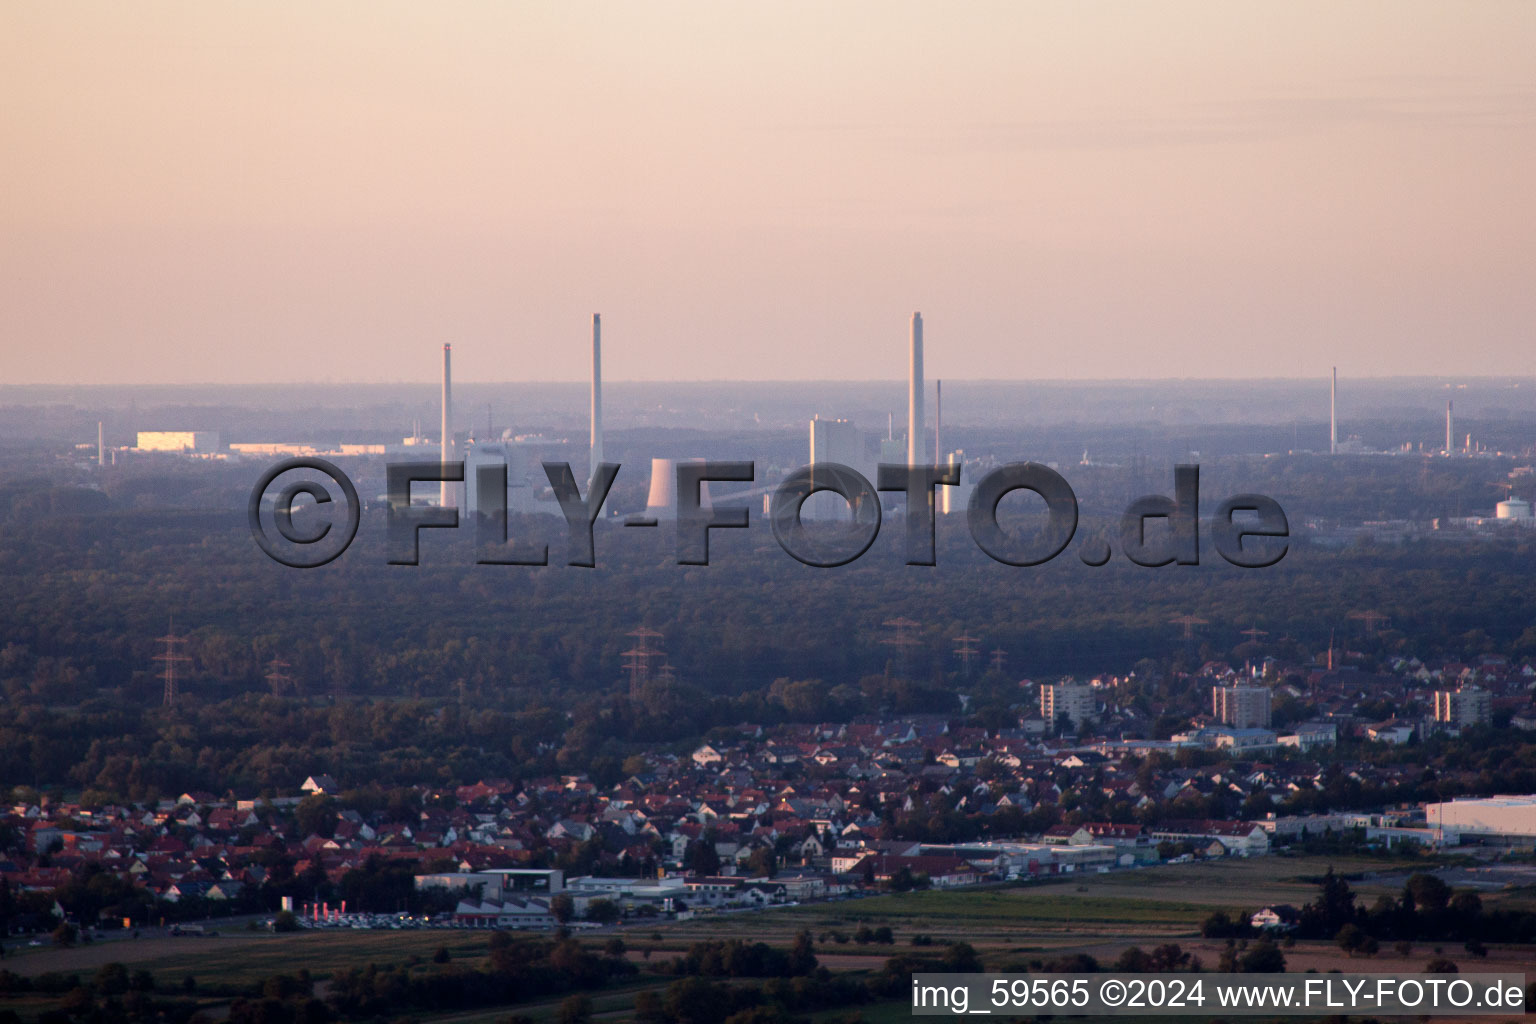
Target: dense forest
88	593
449	669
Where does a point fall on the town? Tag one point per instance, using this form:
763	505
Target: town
765	816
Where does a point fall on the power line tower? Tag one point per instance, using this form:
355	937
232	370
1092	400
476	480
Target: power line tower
637	660
280	679
999	659
1189	622
171	656
1255	634
965	646
903	640
1372	620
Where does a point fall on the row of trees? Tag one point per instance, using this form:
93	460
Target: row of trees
1427	910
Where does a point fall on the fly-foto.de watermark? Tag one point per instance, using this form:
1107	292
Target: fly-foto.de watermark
1247	530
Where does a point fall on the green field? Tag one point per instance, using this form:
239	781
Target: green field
1158	901
246	958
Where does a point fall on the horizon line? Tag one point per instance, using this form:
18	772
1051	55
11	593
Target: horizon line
797	381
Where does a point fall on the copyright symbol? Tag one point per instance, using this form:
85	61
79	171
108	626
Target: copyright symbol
282	515
1112	993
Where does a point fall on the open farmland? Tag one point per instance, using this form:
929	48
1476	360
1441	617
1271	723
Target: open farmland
1012	928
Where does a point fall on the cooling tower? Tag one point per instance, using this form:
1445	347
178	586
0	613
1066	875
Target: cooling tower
662	500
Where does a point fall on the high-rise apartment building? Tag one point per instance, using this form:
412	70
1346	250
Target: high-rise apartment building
1241	707
1466	706
1075	700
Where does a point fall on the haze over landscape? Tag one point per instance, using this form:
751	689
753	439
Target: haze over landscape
409	422
203	193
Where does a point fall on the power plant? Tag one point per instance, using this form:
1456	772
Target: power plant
832	440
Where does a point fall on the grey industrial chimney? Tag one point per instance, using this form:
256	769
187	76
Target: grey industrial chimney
597	393
445	494
915	394
938	421
1333	414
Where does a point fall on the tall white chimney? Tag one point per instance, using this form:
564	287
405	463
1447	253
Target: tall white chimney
1333	414
938	421
597	392
915	394
1448	426
445	494
101	445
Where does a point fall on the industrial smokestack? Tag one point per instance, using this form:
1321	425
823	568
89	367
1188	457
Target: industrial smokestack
1448	427
597	392
938	420
445	494
915	394
101	445
1333	414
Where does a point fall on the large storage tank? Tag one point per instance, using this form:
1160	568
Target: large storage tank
1513	508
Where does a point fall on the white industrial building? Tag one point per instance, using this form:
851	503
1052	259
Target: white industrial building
839	442
532	913
526	483
1517	509
1494	816
957	498
181	441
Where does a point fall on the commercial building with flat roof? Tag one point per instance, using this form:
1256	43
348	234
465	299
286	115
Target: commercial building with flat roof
199	441
498	883
1513	815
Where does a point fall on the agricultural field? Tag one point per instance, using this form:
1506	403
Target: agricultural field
1008	925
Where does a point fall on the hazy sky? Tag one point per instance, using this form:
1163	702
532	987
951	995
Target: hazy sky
284	191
